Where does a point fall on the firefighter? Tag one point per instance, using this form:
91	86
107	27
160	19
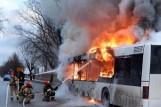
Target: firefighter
26	93
21	96
48	91
21	78
13	86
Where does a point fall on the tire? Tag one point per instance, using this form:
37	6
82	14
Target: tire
105	97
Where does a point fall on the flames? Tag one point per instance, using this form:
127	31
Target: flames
103	49
113	39
76	76
103	46
92	101
106	42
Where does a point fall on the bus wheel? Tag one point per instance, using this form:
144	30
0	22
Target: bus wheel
105	97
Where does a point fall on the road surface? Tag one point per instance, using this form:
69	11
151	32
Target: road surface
61	100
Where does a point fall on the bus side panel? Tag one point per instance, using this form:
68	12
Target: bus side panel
154	103
99	88
125	96
146	63
90	89
85	88
145	74
155	90
155	86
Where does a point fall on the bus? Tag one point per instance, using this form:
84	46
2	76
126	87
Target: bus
127	76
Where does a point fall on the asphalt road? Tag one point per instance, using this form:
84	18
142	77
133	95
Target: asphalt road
63	98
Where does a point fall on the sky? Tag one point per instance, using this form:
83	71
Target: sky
8	40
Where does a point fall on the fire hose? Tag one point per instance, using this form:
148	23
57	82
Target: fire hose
73	73
25	100
65	79
7	95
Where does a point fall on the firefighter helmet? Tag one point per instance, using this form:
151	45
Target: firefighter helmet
12	74
46	82
28	84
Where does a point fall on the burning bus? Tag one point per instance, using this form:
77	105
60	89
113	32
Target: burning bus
127	76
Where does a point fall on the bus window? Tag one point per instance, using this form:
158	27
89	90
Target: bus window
83	73
128	70
136	70
76	74
93	72
70	69
122	67
155	67
107	68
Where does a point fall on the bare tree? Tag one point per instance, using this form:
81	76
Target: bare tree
29	61
42	38
12	63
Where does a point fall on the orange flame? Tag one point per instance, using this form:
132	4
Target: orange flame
76	77
101	48
113	39
106	41
92	101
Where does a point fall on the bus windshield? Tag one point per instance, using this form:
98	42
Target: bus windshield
155	66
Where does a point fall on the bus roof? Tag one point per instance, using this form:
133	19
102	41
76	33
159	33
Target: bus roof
132	49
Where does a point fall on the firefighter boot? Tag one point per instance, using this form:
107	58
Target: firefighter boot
52	98
11	97
17	97
47	99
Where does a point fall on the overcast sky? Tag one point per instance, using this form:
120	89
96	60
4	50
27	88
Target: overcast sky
8	40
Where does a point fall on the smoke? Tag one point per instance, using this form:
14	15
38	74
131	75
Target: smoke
52	9
75	41
83	20
72	100
155	36
157	23
64	92
144	9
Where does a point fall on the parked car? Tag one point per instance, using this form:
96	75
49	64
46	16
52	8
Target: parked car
6	77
